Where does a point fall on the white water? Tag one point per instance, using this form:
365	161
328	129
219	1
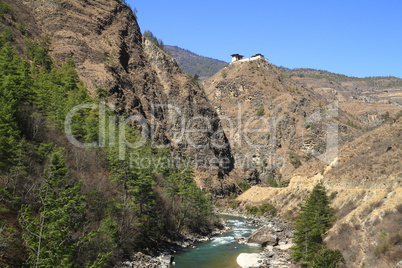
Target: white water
222	251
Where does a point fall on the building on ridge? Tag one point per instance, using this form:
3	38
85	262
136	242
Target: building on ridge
239	58
257	56
236	57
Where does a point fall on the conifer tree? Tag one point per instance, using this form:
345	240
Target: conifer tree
49	236
312	224
13	88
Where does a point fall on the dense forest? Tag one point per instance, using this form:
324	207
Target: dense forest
79	207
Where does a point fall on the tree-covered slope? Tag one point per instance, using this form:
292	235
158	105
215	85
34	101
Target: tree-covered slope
66	206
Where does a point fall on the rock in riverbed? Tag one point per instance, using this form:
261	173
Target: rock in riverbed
142	260
247	260
276	236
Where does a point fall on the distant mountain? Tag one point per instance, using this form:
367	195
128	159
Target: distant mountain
370	99
373	88
371	81
195	64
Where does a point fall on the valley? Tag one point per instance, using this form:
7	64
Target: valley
115	153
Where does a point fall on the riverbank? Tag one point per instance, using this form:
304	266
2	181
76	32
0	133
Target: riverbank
163	257
274	234
220	251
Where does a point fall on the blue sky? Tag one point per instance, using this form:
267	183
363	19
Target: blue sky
356	38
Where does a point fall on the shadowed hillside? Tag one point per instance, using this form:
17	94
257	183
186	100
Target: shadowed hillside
194	64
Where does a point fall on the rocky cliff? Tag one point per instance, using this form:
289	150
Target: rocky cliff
284	128
110	54
273	123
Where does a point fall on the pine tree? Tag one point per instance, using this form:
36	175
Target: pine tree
158	42
14	85
49	236
311	225
193	209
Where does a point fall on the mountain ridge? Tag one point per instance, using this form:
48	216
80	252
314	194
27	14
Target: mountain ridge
280	109
248	125
324	73
195	64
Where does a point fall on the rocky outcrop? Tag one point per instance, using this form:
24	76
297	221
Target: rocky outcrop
264	237
105	41
273	123
276	237
188	111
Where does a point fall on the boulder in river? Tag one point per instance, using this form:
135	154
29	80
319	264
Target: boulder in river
246	260
264	236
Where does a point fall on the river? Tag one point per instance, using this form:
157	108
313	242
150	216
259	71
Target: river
220	252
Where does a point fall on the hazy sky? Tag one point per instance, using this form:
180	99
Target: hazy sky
354	37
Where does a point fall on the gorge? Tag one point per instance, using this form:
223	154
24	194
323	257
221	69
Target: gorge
251	136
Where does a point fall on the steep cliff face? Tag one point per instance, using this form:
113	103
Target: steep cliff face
190	118
105	41
274	124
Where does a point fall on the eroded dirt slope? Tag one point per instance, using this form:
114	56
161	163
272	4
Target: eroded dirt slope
365	185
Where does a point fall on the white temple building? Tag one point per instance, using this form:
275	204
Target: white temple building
239	58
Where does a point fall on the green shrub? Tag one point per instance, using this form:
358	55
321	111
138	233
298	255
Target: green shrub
151	37
252	210
102	93
261	111
21	27
387	242
381	249
234	203
6	36
327	258
294	159
194	79
265	209
271	181
244	186
4	9
333	195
